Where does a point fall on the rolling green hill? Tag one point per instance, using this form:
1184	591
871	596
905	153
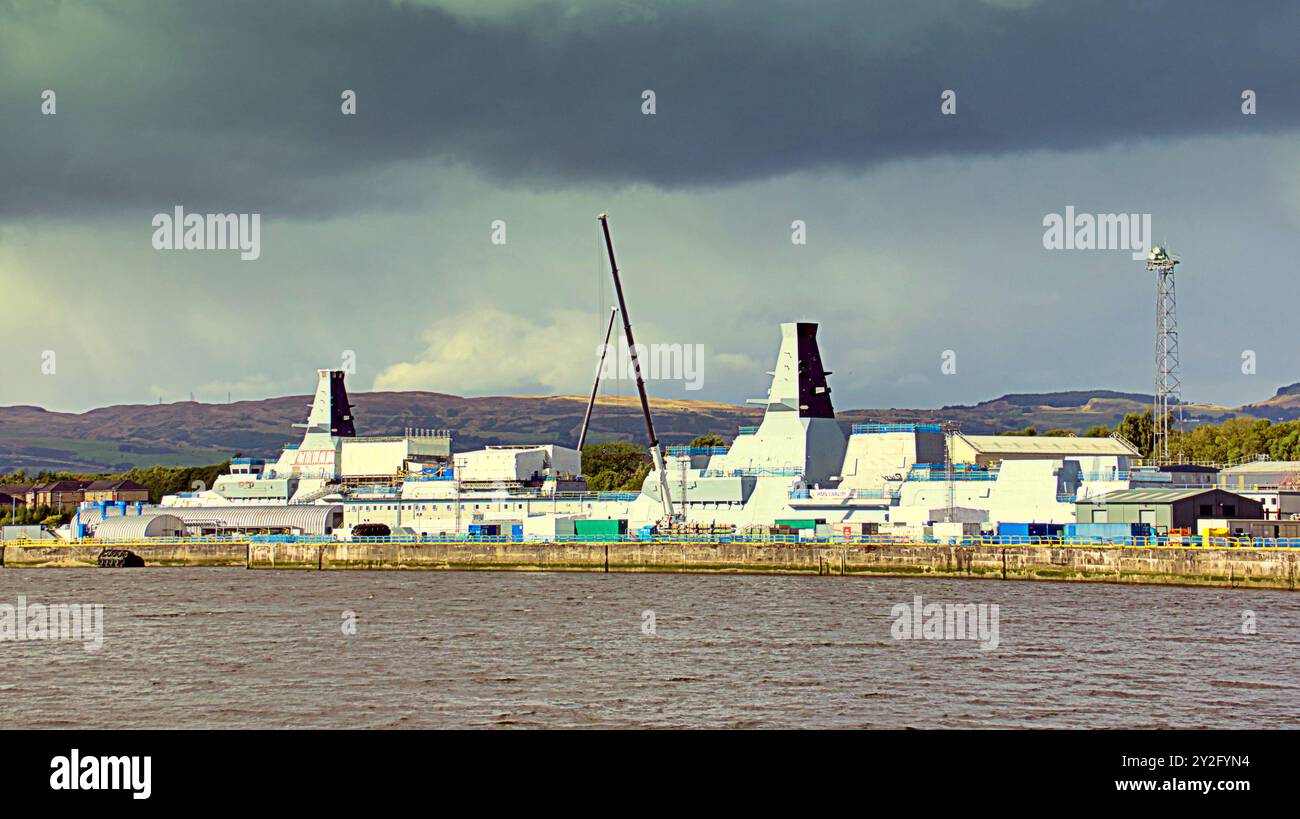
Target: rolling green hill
120	437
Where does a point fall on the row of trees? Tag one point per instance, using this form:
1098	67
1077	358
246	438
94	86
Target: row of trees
159	480
615	466
169	480
15	515
619	466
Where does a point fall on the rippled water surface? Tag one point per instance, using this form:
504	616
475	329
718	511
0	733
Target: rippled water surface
233	648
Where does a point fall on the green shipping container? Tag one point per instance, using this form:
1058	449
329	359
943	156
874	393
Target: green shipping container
798	523
600	527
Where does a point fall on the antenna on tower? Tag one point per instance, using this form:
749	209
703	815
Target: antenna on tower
1168	386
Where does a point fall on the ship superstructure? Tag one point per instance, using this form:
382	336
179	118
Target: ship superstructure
329	458
797	465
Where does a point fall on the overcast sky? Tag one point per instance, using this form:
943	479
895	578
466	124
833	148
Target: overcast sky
924	231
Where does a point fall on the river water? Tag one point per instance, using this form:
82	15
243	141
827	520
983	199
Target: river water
230	648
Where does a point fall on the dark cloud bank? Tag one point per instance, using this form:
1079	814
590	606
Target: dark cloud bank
235	105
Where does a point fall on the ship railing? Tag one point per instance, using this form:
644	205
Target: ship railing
876	429
1139	476
272	474
851	494
697	450
586	496
490	496
751	472
1105	475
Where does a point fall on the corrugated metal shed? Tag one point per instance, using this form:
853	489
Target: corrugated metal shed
1263	466
308	519
1168	508
123	527
90	516
1149	495
1259	473
1048	444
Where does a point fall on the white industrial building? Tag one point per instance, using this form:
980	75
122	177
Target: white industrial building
517	464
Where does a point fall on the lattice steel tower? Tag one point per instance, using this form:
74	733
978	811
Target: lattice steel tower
1168	385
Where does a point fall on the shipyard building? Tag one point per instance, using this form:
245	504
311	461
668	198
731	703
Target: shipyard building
798	470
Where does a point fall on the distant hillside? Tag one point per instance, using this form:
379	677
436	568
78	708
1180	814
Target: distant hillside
1283	406
120	437
1071	398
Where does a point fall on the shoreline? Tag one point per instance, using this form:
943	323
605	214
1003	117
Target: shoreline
1250	568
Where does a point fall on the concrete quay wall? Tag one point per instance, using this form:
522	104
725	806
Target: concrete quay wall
1235	568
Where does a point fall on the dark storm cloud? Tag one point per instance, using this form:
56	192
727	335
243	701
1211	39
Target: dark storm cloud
235	105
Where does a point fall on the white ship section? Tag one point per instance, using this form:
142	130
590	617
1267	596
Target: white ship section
796	464
329	455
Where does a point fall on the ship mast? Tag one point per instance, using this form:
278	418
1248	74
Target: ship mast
655	455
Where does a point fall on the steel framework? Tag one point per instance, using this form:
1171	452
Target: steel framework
1168	386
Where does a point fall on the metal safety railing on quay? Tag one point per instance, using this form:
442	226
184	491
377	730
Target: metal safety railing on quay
152	541
1177	542
839	540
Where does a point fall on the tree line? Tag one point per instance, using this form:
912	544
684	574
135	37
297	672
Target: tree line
159	480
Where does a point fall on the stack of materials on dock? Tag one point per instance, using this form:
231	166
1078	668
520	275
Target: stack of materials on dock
687	529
